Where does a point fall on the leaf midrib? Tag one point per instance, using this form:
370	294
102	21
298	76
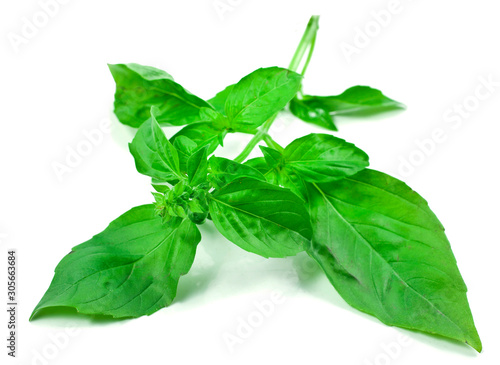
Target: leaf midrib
126	264
258	98
385	261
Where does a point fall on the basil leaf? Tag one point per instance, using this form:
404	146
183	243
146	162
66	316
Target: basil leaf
259	164
130	269
219	100
270	173
159	186
185	146
291	181
202	134
312	111
355	101
140	87
323	158
154	155
261	218
197	167
223	171
273	158
260	95
277	175
386	253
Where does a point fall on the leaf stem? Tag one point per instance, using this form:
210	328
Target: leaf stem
308	59
272	143
259	136
306	43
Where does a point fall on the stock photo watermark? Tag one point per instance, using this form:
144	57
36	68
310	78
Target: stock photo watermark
248	324
75	154
223	7
57	343
32	25
390	351
365	34
12	303
452	119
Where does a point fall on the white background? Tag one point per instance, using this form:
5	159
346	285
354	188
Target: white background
56	87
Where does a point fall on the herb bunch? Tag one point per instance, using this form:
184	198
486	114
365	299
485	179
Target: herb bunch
377	241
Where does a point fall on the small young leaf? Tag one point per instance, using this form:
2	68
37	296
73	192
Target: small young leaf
293	182
258	163
223	171
130	269
160	186
185	147
197	166
323	158
273	158
270	173
386	253
219	100
208	115
202	134
313	112
140	87
261	218
154	155
260	95
195	207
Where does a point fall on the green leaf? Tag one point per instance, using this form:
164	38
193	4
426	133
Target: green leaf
323	158
386	253
219	100
154	155
261	218
130	269
355	101
273	158
216	119
223	171
270	173
312	111
260	95
202	134
258	163
197	167
138	88
293	182
184	146
159	186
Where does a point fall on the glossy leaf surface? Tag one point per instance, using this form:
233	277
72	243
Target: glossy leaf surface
138	88
260	95
223	171
386	253
154	155
261	218
323	158
130	269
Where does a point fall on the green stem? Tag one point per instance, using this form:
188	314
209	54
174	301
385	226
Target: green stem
306	43
272	143
259	136
308	59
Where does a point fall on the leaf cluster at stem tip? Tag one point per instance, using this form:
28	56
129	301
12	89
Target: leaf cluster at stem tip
376	240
